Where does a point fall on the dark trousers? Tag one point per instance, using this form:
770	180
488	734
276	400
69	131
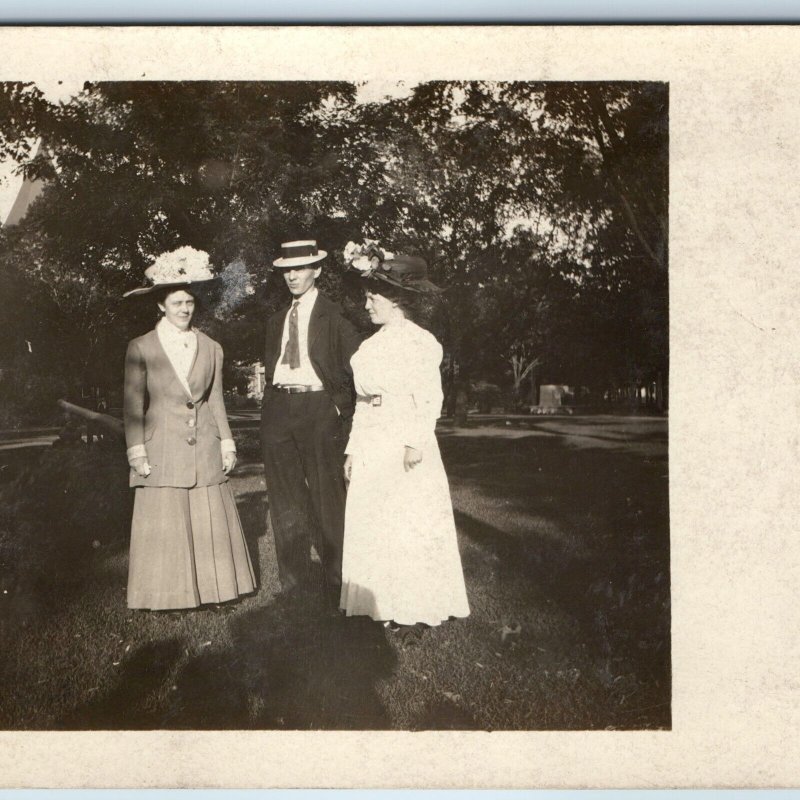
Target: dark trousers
303	441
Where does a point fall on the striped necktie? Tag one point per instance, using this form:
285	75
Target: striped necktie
292	354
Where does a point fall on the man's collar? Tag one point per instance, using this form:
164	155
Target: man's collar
307	298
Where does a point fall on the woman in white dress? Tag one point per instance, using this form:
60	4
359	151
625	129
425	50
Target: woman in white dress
401	563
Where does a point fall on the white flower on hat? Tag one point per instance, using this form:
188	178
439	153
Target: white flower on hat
184	264
351	250
362	263
365	257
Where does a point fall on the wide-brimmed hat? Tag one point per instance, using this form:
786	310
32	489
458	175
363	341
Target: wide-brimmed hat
299	254
371	264
177	269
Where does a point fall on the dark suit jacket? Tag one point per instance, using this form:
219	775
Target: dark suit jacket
332	340
181	433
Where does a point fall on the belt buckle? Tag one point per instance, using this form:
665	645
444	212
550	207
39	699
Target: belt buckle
376	400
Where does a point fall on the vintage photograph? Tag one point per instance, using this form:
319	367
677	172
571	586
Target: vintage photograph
334	405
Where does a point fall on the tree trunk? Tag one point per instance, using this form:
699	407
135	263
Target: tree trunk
461	399
534	398
450	392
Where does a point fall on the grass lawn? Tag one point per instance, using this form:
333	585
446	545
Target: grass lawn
564	535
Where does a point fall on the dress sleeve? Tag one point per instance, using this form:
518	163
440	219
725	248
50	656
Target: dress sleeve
133	401
425	383
354	443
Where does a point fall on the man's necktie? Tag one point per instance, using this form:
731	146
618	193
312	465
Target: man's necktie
292	354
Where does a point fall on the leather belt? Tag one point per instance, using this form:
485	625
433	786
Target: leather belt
297	388
372	399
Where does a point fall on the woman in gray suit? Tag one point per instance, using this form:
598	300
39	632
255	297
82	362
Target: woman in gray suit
187	545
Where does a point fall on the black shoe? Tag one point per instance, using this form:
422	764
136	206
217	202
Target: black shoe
409	635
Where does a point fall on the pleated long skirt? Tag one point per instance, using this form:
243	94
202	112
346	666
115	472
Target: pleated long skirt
187	548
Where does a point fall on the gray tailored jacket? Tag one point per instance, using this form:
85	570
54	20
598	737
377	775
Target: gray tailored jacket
181	432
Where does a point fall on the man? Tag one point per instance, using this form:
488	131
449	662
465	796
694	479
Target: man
305	418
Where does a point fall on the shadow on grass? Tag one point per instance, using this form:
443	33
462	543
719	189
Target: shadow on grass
545	525
445	715
307	667
587	530
124	707
294	664
252	508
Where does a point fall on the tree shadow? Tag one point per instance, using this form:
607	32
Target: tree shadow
585	529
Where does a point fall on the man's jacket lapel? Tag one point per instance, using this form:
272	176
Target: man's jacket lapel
315	322
275	334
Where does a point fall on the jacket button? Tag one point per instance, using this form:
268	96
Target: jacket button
190	422
191	440
189	404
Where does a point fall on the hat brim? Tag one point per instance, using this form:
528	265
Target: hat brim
423	286
157	287
299	261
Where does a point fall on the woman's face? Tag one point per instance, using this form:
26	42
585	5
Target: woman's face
178	308
381	310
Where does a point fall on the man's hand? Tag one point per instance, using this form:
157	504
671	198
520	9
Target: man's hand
348	468
141	467
411	458
228	461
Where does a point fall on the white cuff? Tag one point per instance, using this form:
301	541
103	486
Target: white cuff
228	446
137	451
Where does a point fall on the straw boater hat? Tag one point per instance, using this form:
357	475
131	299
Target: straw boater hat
370	263
299	254
178	269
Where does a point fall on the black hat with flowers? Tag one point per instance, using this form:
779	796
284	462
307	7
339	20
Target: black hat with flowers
371	263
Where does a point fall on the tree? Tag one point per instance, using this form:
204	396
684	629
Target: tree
541	208
133	169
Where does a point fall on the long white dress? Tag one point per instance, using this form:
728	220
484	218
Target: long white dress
401	559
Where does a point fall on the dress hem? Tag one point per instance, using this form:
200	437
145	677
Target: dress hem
400	621
179	605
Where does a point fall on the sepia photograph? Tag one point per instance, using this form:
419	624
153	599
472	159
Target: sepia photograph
396	397
425	487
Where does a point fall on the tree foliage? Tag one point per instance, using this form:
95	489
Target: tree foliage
541	207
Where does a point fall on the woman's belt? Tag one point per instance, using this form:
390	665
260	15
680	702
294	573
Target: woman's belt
372	399
297	388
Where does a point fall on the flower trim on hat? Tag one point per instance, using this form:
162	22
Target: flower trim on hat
367	257
184	264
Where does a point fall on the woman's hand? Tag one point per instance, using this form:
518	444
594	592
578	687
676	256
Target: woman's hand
228	461
411	458
348	468
141	467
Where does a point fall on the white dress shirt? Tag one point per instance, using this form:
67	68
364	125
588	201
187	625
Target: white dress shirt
181	349
304	375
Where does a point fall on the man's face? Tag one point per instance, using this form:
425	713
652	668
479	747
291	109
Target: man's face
301	279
